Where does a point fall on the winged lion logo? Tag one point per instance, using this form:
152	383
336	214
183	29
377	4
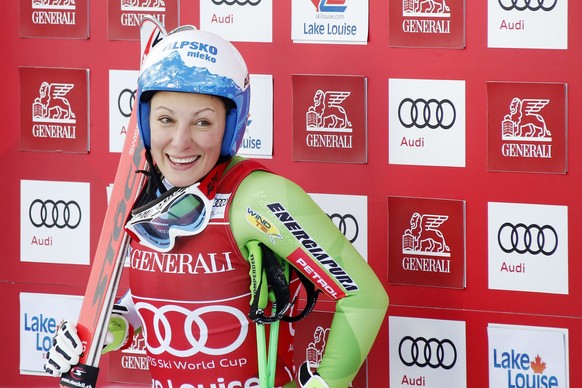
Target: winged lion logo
51	105
524	120
328	113
424	235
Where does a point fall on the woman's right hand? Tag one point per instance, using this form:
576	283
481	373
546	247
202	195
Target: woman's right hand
65	351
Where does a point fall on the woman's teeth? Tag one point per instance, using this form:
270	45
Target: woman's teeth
182	160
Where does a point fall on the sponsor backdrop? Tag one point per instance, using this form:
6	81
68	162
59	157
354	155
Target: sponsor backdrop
435	134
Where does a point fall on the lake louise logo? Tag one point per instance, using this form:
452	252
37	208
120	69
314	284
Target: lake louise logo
527	356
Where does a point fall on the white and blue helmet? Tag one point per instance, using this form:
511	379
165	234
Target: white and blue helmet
194	61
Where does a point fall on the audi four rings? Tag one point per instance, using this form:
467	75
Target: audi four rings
422	352
163	329
532	5
50	214
125	101
522	238
432	113
347	224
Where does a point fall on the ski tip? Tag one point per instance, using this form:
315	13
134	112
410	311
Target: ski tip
152	31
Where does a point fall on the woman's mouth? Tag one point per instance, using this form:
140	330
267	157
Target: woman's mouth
182	160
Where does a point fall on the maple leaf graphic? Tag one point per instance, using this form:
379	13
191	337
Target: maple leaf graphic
537	365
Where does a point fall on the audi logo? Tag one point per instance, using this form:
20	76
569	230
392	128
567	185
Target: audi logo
162	340
239	2
347	224
220	202
522	238
432	113
434	353
532	5
125	102
51	214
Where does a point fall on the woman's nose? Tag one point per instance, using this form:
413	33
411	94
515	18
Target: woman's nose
182	136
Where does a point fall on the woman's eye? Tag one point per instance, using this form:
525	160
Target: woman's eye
203	123
165	120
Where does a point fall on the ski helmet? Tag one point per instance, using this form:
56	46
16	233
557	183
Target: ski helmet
194	61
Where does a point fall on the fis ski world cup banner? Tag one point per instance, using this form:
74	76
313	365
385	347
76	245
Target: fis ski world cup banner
527	357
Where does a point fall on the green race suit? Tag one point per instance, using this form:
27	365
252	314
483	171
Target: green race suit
277	212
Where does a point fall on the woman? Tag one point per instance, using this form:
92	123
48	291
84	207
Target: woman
197	225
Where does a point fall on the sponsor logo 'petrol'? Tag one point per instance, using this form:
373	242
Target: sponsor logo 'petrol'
334	269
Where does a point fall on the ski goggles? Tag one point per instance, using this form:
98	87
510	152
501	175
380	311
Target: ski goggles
181	211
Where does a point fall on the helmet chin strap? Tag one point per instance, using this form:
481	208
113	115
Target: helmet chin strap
154	186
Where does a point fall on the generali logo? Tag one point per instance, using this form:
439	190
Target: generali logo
435	16
427	23
431	248
125	16
54	109
327	113
329	118
424	237
52	105
54	18
132	11
54	11
424	246
527	127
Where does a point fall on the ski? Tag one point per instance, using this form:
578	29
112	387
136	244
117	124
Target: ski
113	241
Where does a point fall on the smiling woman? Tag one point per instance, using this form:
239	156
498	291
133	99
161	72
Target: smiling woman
209	226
